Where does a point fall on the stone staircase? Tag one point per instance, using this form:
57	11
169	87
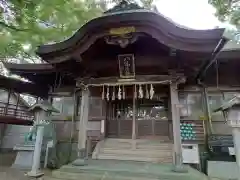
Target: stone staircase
134	150
123	170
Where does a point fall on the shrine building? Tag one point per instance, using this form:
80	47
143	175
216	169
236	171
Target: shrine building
136	80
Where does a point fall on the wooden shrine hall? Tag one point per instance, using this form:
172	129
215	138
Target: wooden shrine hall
14	113
135	61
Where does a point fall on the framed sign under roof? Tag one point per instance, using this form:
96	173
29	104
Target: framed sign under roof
126	66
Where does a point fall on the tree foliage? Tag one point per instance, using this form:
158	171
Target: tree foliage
227	11
25	24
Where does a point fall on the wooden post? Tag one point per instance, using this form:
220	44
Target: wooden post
134	119
208	123
134	114
18	98
7	105
82	135
176	129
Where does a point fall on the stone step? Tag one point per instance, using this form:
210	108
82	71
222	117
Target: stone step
142	152
76	173
123	170
138	144
83	176
135	150
130	157
136	140
111	143
163	147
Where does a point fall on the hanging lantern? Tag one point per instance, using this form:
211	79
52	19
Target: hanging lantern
107	95
119	93
151	92
103	93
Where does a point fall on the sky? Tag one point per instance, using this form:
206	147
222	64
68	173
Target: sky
196	14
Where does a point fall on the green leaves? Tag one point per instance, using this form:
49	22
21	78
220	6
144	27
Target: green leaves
39	22
227	10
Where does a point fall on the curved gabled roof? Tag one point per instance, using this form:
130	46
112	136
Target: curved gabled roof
23	87
149	22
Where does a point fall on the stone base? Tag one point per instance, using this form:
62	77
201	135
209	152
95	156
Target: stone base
79	162
23	160
35	174
180	169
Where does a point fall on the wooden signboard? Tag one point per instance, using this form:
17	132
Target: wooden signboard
126	66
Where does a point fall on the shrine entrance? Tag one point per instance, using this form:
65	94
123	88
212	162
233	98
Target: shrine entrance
137	117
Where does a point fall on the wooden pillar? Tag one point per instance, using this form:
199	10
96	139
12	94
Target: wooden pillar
208	124
176	128
82	135
134	114
8	100
15	111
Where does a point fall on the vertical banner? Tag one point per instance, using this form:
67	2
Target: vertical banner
126	65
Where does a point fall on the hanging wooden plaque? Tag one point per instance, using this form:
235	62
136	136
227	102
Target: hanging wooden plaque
126	65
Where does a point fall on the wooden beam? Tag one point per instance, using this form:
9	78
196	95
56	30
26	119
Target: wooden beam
139	80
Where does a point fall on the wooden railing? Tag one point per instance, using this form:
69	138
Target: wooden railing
12	110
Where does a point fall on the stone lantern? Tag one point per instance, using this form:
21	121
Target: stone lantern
41	111
231	112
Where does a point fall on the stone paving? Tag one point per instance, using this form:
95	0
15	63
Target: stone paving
8	173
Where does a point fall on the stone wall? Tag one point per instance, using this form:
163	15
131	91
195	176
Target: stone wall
64	128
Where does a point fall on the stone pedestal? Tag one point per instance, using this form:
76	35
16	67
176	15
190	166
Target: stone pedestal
24	156
236	139
42	111
35	171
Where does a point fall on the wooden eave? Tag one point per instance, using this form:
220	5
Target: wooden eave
23	87
229	54
15	121
151	23
44	75
34	68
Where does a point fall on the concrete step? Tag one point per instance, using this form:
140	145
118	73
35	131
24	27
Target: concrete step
130	157
140	152
91	176
123	170
139	146
135	150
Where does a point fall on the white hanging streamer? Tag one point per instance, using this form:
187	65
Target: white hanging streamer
135	91
151	92
119	93
113	94
140	92
123	94
103	93
107	95
147	92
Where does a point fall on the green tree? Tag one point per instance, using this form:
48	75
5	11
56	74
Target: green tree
227	11
25	24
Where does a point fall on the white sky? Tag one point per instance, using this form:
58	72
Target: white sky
196	14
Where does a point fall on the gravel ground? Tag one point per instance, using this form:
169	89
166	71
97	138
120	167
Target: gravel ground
8	173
